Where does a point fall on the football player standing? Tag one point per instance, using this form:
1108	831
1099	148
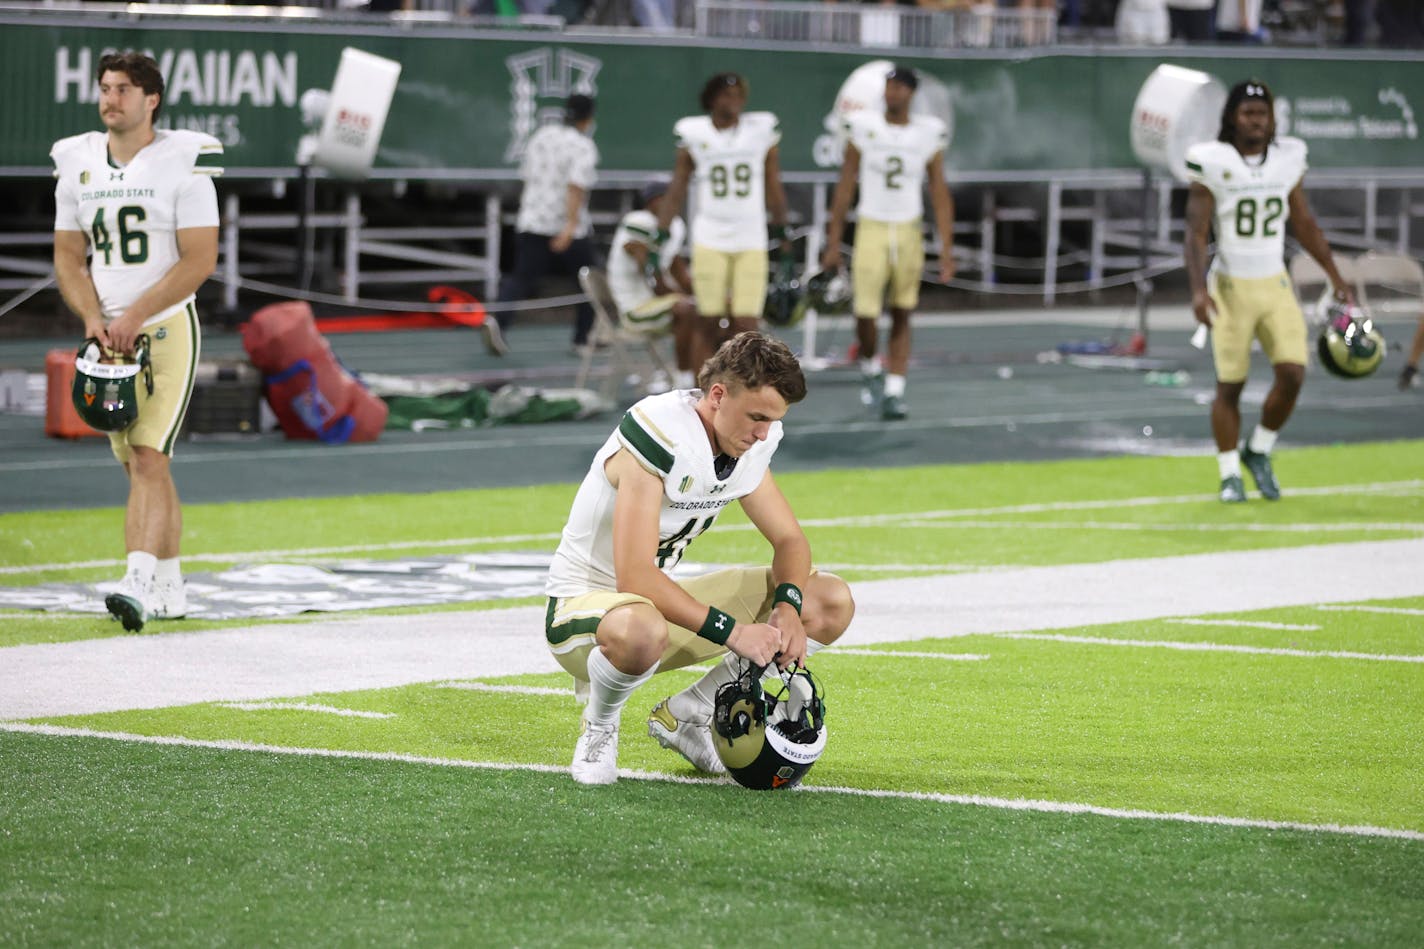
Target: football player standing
135	236
891	155
616	616
1246	186
734	158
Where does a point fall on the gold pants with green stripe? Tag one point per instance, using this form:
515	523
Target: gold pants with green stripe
571	623
173	350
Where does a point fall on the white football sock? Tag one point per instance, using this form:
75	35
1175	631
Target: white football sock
168	570
894	384
609	689
870	367
694	703
1229	464
1262	440
142	566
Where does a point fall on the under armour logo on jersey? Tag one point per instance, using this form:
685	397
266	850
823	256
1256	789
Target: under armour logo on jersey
116	176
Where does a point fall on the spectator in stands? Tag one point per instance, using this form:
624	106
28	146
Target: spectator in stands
1239	21
651	284
1401	23
1358	14
1193	21
552	230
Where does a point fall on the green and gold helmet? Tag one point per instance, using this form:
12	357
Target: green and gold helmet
783	294
827	292
769	731
1349	346
106	384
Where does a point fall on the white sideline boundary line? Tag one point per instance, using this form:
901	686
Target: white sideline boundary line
508	689
303	707
1389	610
1248	623
1206	647
908	518
972	800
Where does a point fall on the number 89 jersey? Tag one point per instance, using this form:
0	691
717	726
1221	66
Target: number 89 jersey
666	436
731	179
1252	202
131	215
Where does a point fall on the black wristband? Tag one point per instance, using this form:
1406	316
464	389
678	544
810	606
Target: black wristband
717	626
788	593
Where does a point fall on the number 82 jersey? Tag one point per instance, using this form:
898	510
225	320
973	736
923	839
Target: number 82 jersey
131	214
1252	202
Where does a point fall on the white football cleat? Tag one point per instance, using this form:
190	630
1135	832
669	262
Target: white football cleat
169	600
129	602
596	755
690	739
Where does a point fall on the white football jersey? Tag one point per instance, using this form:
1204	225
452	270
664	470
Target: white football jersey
729	178
894	161
625	278
1252	202
666	436
131	215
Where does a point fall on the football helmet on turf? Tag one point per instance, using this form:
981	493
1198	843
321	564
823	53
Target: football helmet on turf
1349	346
106	384
769	731
783	294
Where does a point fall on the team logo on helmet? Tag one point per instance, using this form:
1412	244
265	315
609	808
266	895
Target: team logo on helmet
769	731
106	385
1349	346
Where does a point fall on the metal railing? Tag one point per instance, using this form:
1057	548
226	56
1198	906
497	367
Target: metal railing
877	25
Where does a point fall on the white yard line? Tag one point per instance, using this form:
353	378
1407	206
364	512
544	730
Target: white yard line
507	689
1248	623
1415	527
875	520
304	707
1389	610
1209	647
286	660
971	800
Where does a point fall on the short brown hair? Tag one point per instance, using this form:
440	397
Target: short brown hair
753	360
142	71
714	86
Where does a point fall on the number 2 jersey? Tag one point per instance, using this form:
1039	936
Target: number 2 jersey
666	436
1252	202
894	160
131	214
730	163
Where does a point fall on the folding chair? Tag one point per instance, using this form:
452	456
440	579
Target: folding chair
1310	280
1391	284
624	345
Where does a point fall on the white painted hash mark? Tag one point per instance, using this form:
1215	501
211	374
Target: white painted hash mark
303	707
972	800
1390	610
1249	623
888	654
511	689
1208	647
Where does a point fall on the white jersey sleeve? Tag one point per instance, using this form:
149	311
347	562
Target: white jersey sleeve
1252	198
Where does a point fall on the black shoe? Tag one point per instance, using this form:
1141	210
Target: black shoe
1260	467
1232	490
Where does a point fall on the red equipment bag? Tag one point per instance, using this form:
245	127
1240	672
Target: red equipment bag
310	391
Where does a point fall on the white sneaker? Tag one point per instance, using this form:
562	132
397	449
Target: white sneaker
690	739
596	755
169	601
129	603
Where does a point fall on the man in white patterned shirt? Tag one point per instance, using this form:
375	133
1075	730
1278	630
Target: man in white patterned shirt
552	230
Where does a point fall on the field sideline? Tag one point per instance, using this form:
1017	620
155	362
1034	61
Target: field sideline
1083	703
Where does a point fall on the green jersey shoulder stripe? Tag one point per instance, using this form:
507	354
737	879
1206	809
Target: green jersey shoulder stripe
1194	167
647	447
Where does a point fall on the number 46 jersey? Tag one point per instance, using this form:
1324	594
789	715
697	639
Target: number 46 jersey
1252	202
730	168
666	436
131	214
